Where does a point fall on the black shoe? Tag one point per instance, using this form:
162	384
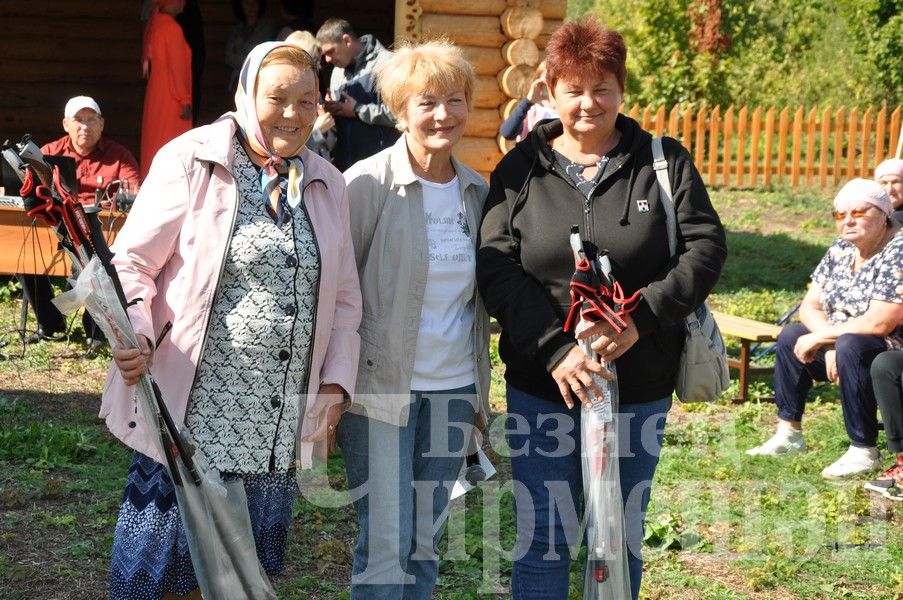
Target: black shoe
474	474
39	336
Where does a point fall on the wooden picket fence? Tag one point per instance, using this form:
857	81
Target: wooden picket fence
818	147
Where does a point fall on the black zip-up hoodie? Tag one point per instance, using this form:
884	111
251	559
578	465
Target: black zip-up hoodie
524	262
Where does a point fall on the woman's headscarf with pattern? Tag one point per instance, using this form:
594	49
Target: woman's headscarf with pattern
245	115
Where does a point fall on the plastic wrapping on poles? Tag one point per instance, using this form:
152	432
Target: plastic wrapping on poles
607	576
214	512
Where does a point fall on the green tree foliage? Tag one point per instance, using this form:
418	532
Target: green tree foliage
877	27
761	51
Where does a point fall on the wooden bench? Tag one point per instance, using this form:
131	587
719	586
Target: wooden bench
749	332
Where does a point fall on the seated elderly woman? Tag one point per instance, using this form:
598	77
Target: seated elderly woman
890	175
851	313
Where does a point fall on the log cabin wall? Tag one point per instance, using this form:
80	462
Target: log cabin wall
55	49
51	50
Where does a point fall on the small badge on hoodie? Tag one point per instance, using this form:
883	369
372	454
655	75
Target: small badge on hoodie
642	206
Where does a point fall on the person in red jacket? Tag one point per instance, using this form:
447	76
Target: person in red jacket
99	161
99	164
167	65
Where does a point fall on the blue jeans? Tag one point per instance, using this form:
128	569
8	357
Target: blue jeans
406	474
855	353
545	460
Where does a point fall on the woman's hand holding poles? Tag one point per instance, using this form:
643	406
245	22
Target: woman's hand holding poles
610	344
134	362
574	373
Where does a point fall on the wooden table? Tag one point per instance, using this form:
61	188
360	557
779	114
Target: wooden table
30	246
749	331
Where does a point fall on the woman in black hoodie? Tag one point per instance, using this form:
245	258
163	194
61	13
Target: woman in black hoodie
592	168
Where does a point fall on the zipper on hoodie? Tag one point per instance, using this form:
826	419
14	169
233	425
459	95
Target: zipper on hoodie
587	232
589	221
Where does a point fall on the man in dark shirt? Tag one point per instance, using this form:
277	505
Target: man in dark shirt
364	125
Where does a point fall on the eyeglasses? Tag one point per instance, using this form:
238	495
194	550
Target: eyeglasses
89	122
856	214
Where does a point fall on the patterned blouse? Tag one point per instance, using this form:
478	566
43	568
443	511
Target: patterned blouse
575	170
243	409
846	294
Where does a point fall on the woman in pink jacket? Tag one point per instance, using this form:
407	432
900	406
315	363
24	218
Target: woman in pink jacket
238	261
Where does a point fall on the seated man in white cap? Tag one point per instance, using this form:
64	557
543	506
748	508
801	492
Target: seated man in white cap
98	163
851	313
890	175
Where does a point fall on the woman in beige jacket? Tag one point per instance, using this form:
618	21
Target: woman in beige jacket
424	368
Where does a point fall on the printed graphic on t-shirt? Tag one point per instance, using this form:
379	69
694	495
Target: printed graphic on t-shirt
446	319
449	238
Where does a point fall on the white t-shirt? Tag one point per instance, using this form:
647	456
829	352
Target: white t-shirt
444	357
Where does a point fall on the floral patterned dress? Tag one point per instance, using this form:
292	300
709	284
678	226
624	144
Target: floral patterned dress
847	294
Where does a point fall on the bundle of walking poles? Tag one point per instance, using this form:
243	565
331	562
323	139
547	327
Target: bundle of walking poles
213	511
596	296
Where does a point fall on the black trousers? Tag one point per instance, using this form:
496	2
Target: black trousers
886	372
37	291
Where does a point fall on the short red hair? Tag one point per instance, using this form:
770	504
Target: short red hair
585	47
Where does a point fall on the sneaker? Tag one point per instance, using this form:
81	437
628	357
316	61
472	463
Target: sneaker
891	478
854	462
785	441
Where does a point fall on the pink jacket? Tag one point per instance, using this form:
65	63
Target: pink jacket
170	254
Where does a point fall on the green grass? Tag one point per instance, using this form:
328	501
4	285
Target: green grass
721	525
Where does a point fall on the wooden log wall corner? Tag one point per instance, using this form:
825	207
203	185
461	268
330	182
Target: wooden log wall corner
503	39
522	23
407	20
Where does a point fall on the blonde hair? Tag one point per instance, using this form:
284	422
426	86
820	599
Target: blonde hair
437	66
306	41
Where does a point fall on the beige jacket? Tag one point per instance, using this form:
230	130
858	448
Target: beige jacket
388	229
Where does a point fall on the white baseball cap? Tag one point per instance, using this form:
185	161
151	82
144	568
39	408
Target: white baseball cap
79	102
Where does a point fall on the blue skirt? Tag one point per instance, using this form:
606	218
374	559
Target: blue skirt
150	551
